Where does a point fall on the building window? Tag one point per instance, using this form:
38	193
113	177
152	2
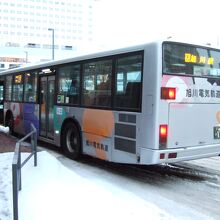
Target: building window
13	65
33	45
47	46
67	47
97	83
68	84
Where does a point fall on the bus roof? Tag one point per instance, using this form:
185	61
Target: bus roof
72	59
88	56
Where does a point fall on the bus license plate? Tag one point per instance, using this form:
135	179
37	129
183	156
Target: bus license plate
216	132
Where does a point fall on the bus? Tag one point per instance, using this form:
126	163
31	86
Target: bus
1	100
148	104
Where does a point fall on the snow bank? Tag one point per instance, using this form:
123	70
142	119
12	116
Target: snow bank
4	129
51	191
6	186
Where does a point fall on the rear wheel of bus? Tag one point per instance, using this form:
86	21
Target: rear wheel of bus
71	140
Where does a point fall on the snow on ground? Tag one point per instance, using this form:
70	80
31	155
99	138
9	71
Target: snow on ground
5	186
4	129
210	163
59	188
51	191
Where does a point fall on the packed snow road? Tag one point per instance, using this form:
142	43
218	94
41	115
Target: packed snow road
184	190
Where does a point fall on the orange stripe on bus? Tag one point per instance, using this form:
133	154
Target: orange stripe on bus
98	124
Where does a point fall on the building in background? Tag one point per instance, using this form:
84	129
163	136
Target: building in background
24	30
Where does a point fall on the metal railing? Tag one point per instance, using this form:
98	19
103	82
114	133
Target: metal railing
17	165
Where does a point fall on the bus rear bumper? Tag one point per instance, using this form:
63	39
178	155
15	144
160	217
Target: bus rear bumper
151	156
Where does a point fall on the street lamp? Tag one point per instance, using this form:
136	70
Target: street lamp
51	29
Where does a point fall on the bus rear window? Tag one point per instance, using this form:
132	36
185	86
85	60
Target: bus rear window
180	59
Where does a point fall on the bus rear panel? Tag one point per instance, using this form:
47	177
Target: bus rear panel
189	107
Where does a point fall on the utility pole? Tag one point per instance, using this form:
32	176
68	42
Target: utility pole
51	29
26	56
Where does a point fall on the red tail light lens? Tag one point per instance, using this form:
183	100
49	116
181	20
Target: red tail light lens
168	93
163	134
162	156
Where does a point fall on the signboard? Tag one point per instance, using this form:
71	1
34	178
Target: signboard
192	58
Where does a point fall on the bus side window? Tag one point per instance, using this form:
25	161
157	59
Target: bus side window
30	87
68	84
133	92
97	83
128	82
17	89
8	88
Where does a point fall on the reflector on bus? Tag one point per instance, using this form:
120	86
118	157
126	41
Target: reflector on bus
168	93
172	155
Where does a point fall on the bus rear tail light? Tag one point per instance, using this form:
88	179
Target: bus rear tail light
168	93
163	134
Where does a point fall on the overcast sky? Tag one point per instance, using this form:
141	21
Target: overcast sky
126	22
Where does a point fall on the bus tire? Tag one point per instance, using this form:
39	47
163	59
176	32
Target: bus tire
9	122
71	141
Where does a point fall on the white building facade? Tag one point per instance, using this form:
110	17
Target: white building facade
25	35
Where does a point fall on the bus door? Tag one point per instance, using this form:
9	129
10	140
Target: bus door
47	87
1	101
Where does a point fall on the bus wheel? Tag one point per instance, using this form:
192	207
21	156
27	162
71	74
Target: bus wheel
71	141
9	122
